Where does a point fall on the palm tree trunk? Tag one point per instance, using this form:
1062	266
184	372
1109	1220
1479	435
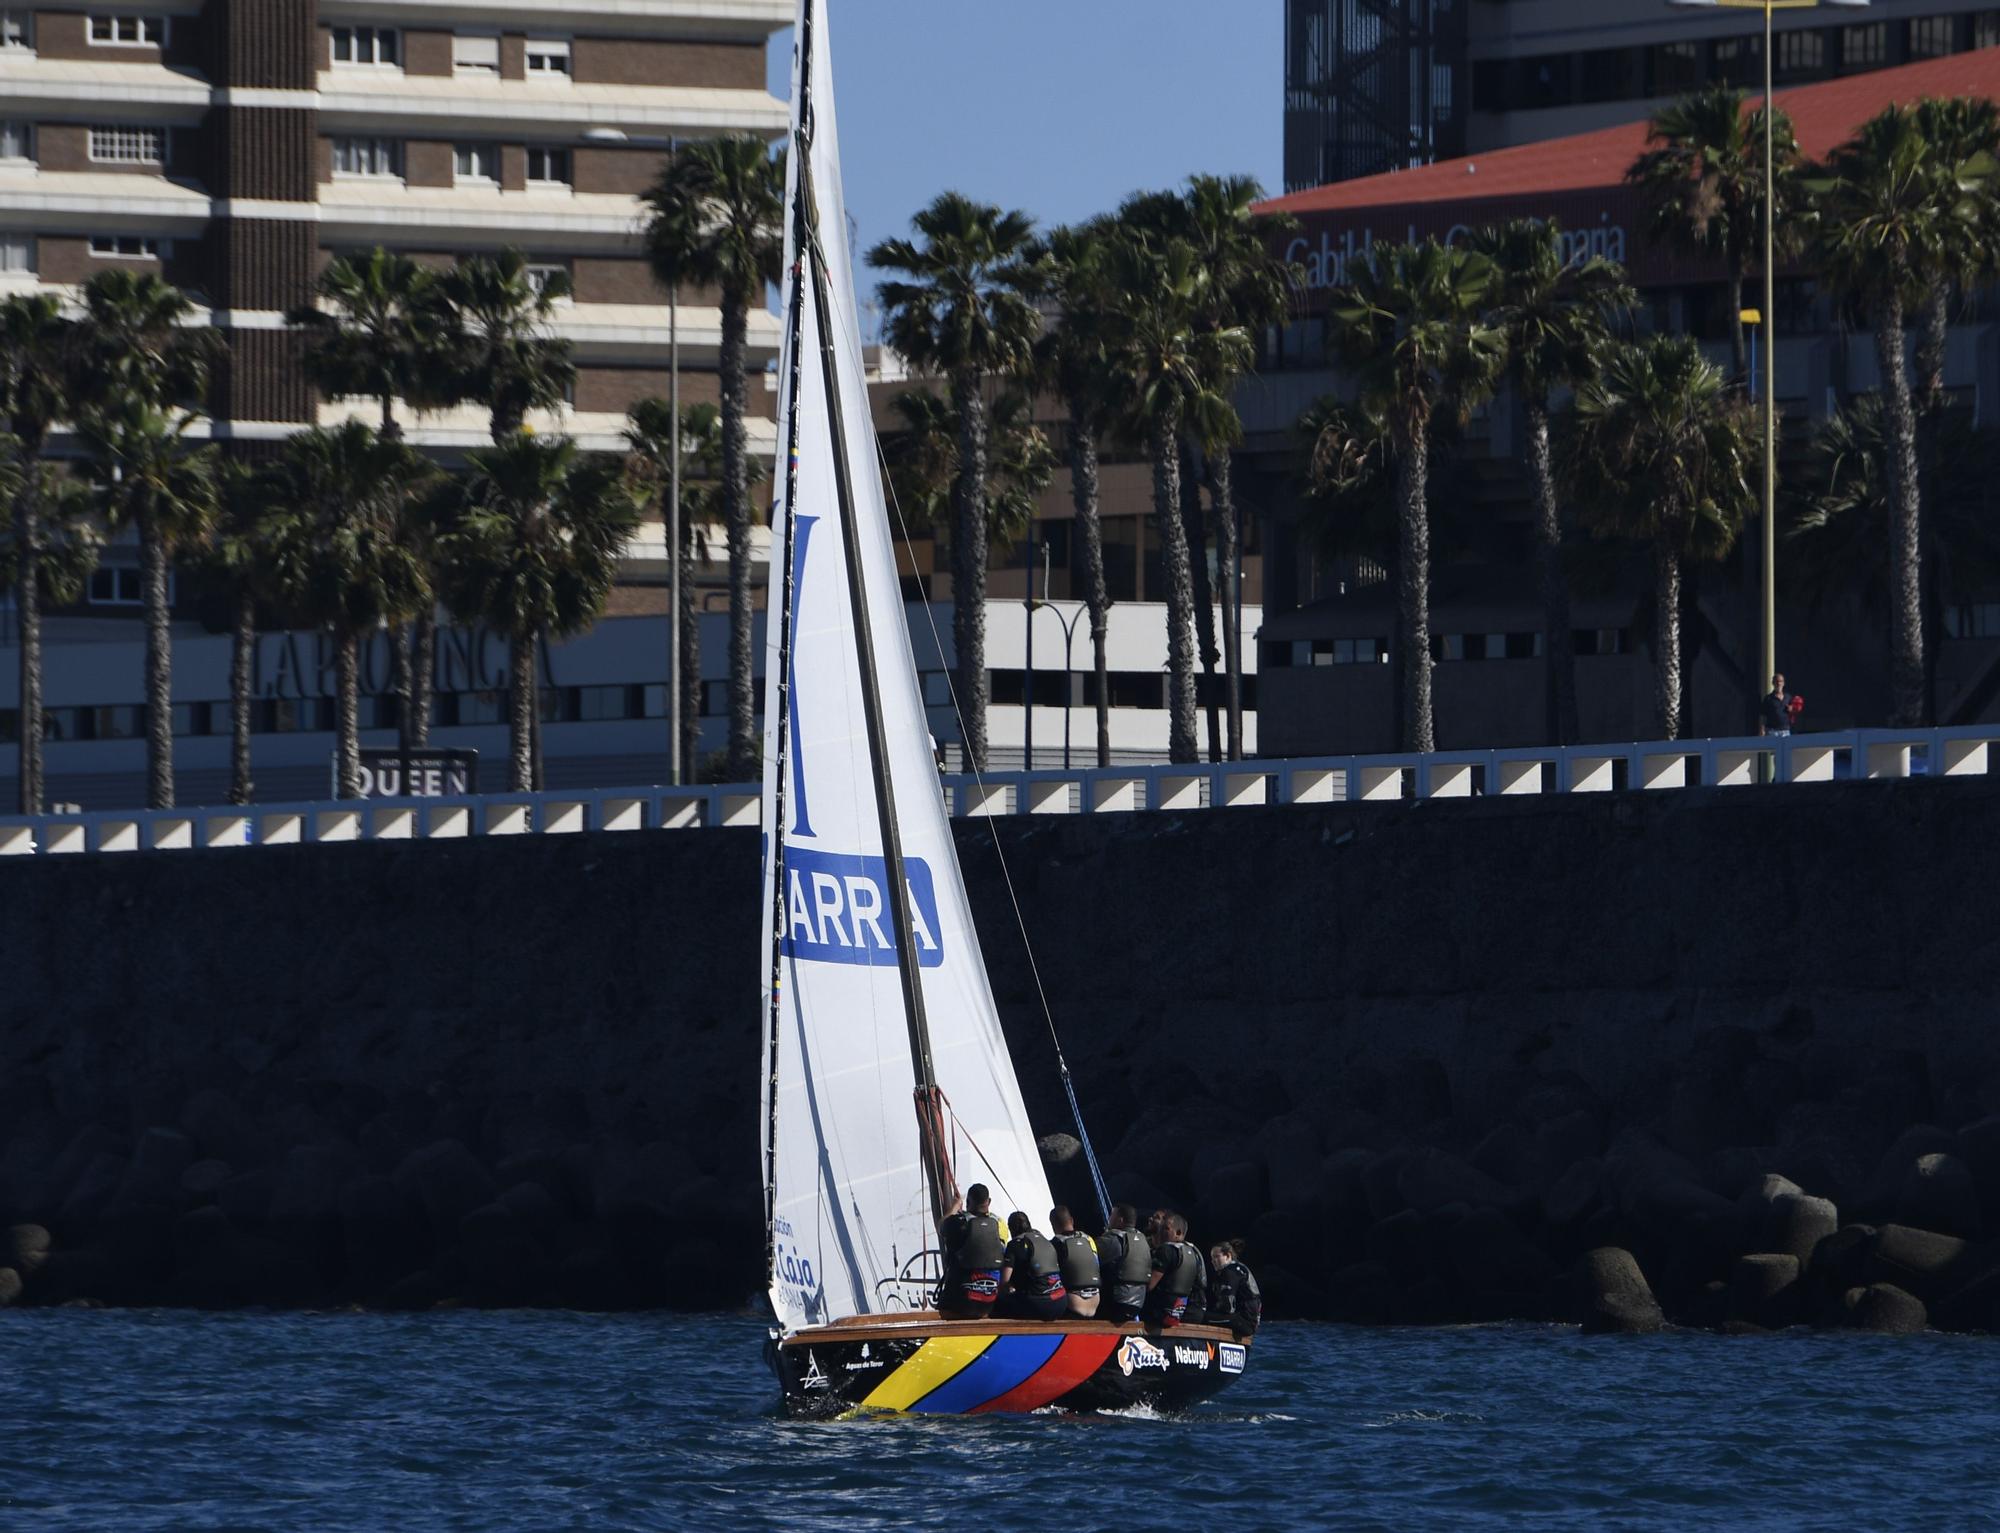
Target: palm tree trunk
1667	639
1906	630
242	659
1413	579
1083	492
423	671
688	726
1203	591
28	600
1174	562
347	713
535	778
1222	490
1558	660
399	650
159	665
1739	351
392	431
744	746
520	713
1935	326
968	564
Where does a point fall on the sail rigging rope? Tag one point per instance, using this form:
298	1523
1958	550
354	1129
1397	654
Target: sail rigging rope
1006	875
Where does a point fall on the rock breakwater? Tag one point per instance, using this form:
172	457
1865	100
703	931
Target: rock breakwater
1710	1058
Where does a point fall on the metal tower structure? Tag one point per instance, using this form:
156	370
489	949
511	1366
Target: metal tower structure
1371	85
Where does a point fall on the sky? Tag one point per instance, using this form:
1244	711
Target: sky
1058	107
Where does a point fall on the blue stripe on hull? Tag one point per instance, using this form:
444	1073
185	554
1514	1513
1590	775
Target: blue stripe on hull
1001	1367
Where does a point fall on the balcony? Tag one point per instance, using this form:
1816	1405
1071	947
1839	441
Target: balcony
706	20
109	89
389	100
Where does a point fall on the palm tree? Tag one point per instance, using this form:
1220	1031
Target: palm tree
1073	360
1892	214
1663	456
336	499
140	371
962	307
1250	288
238	558
499	350
1412	324
1705	182
1555	319
532	551
1166	358
152	476
37	367
1963	133
381	328
649	462
718	221
377	328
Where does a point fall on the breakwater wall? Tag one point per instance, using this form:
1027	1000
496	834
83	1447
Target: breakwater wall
1429	1058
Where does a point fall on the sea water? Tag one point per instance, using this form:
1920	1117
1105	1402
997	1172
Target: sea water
501	1420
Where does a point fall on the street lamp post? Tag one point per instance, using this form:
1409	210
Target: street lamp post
1769	540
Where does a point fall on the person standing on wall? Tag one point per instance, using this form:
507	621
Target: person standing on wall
1780	709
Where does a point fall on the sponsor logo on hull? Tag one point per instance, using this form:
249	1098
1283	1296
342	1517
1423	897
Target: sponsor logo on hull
1136	1354
1231	1358
1193	1357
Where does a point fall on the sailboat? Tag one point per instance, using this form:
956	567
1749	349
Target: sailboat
887	1077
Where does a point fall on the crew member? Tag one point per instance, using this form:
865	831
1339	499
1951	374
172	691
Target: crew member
1177	1289
1077	1253
1234	1299
1031	1285
974	1253
1125	1257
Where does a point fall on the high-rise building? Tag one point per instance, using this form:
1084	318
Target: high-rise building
1377	85
235	146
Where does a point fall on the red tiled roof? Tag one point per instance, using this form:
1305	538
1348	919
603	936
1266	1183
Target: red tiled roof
1823	115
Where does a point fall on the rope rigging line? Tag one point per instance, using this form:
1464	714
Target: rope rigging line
1006	874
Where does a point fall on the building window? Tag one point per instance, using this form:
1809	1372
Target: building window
365	47
548	58
473	162
1341	652
1986	29
17	141
126	247
1740	60
121	585
367	157
128	146
1930	36
17	255
1801	54
1676	67
542	275
128	31
548	167
17	28
1864	47
475	56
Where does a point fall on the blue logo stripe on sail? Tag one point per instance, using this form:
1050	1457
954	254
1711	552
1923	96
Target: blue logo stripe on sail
801	815
837	909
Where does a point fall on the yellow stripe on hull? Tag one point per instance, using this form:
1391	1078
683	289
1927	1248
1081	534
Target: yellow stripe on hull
932	1364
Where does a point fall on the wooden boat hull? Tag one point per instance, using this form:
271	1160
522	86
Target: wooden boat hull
922	1364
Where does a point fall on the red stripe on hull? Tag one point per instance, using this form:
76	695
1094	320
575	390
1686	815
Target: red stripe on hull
1074	1361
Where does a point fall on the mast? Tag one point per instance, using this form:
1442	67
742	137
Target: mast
929	1100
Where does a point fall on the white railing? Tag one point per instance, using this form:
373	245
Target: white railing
1642	766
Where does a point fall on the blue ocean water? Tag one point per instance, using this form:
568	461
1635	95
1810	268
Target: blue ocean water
174	1420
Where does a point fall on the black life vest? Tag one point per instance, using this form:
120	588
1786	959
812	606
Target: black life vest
1037	1269
1235	1293
1134	1262
972	1242
1079	1261
1184	1277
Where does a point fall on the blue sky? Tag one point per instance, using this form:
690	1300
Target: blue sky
1060	107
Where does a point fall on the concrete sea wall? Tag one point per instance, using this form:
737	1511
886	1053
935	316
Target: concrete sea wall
1732	1051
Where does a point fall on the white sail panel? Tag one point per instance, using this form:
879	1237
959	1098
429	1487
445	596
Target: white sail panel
852	1223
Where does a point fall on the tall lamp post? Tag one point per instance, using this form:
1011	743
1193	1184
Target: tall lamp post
1769	311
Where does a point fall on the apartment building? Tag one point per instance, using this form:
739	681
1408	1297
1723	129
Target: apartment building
236	146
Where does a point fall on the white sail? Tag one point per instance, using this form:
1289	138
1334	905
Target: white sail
851	1219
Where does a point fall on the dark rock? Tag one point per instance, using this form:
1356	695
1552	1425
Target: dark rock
1921	1262
79	1274
1362	1293
1491	1256
1508	1155
87	1145
1563	1141
383	1234
10	1286
26	1249
1289	1150
1381	1183
1885	1307
501	1260
201	1182
534	1206
690	1281
92	1193
1429	1179
1341	1193
1796	1223
1575	1193
1232	1197
1761	1290
1937	1193
1611	1294
1408	1243
1885	1186
247	1198
447	1181
221	1129
1979	1148
162	1154
594	1279
1286	1237
1973	1305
